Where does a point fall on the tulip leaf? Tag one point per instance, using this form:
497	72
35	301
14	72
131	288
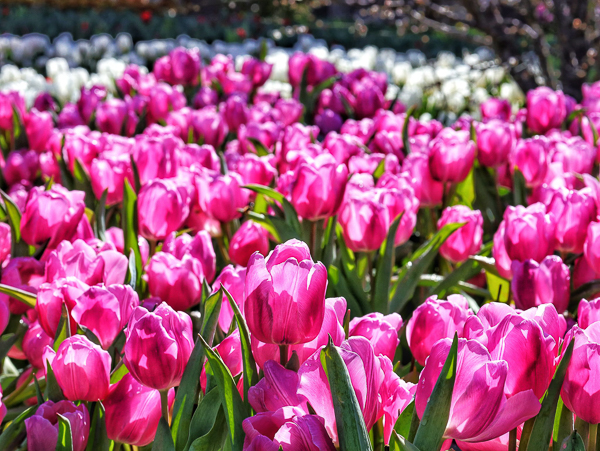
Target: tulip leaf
594	130
163	440
187	393
20	295
235	409
419	262
379	170
405	137
16	428
9	339
430	434
573	442
544	421
64	328
18	247
98	440
291	217
260	148
216	437
350	271
130	230
53	390
101	217
65	436
351	428
118	373
399	443
83	183
338	282
563	424
204	417
402	426
328	243
381	288
250	373
519	188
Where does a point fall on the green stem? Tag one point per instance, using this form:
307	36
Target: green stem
152	249
593	435
10	398
583	428
313	239
223	249
512	440
164	404
378	444
283	354
117	446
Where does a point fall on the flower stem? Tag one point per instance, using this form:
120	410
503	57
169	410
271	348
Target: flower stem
593	435
117	446
283	354
164	404
512	440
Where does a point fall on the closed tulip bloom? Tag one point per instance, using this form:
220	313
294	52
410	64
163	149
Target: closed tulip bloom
258	71
277	389
573	211
575	154
529	232
364	221
480	409
133	412
50	300
581	391
177	282
588	312
451	155
5	242
318	187
4	316
291	110
530	157
199	247
108	173
180	67
496	109
110	116
158	346
163	206
546	109
590	248
38	127
162	99
249	238
429	191
466	240
285	295
156	156
235	111
221	196
433	320
89	100
51	215
381	330
495	140
105	310
369	98
21	166
42	427
256	170
209	126
82	369
541	283
34	342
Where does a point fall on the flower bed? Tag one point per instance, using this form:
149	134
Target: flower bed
209	257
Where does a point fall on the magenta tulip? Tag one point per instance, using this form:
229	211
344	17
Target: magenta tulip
546	109
495	140
221	196
38	127
233	279
573	212
530	156
156	156
364	221
209	126
529	232
34	342
42	427
158	346
25	273
428	191
381	331
50	300
588	312
250	237
466	240
590	248
451	155
496	109
89	101
285	295
110	116
258	71
5	242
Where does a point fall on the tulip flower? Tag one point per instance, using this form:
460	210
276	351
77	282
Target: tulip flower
110	116
466	240
496	109
209	126
163	206
220	196
156	156
199	247
50	300
580	391
590	247
158	346
42	427
428	190
180	67
108	173
21	166
381	330
51	215
24	273
546	109
255	170
573	212
233	279
451	156
133	412
541	283
258	71
588	312
495	140
434	320
531	158
480	409
82	369
365	222
38	127
529	232
34	342
5	242
162	99
284	299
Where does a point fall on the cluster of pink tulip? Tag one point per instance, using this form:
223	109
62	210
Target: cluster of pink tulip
200	264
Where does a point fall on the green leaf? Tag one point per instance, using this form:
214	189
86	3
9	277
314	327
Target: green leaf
235	409
379	170
402	426
544	421
20	295
594	131
381	287
98	440
118	373
15	428
53	390
465	271
328	243
419	262
18	247
131	275
291	222
83	183
519	188
205	416
563	424
163	440
405	136
9	339
351	428
249	371
260	148
399	443
573	442
216	438
430	434
130	229
64	328
339	284
137	184
65	436
101	217
187	393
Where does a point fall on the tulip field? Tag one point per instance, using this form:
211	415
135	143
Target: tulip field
193	262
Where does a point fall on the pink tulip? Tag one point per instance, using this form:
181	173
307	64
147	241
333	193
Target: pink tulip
317	70
133	412
257	70
396	395
434	320
51	215
364	221
204	155
480	409
233	279
162	98
8	101
466	240
178	282
573	211
156	156
4	316
546	109
42	427
50	300
277	389
291	110
328	121
381	331
541	283
575	154
114	235
105	310
34	342
342	147
158	346
285	295
44	102
451	155
496	109
25	273
588	312
82	369
529	232
89	100
495	140
369	98
110	116
255	170
220	196
109	173
21	166
163	206
235	111
590	247
250	237
428	191
209	126
180	67
38	127
5	242
530	157
580	390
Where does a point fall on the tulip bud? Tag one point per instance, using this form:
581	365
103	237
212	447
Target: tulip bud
466	240
256	170
220	196
451	156
42	427
5	242
156	156
496	109
285	285
573	212
257	70
209	126
530	157
428	190
364	221
546	109
50	300
529	232
82	369
158	346
495	140
590	248
250	237
34	342
38	127
588	312
381	331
